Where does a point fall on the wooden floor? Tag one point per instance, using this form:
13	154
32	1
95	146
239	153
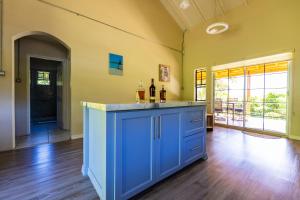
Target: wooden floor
42	133
239	167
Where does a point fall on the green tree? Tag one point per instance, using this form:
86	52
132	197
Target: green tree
275	106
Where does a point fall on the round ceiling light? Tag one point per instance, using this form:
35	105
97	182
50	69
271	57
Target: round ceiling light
217	28
184	4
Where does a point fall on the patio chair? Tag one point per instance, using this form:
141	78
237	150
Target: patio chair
218	106
219	109
239	113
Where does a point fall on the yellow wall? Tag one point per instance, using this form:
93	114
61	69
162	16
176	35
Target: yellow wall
90	42
262	28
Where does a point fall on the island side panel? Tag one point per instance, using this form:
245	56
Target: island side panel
85	164
97	150
110	154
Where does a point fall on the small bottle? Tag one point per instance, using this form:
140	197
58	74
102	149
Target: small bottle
163	95
152	92
140	93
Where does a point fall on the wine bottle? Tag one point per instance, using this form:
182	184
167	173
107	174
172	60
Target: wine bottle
152	91
163	94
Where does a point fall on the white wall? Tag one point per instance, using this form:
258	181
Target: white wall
31	47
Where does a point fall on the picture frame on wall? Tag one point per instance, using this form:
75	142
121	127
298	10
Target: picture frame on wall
164	73
115	64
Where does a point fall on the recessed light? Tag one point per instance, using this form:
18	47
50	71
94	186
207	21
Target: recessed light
184	4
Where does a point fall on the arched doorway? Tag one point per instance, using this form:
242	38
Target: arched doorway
42	90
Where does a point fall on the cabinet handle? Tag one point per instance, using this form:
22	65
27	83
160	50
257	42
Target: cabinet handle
154	128
195	120
159	128
195	148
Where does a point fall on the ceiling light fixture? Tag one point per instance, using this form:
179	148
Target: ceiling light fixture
217	27
184	4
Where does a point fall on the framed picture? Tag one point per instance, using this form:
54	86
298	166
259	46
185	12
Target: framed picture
115	64
164	73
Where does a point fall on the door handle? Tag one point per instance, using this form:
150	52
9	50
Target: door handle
154	128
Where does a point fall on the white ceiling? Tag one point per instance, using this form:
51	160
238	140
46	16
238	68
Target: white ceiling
199	11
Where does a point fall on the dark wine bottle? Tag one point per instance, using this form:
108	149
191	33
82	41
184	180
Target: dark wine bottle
163	94
152	92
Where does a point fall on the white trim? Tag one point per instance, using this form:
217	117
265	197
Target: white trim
76	136
290	98
212	101
13	106
255	61
28	94
66	90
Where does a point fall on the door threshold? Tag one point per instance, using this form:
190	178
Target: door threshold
281	135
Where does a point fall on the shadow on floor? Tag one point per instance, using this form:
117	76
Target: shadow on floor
42	133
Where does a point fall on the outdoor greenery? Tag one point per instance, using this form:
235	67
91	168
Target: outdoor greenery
275	106
201	94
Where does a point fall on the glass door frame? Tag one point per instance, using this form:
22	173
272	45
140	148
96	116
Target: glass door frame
261	131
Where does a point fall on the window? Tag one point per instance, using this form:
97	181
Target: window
252	96
200	85
43	78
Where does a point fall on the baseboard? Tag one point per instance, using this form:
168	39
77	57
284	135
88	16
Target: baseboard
294	137
95	183
77	136
84	171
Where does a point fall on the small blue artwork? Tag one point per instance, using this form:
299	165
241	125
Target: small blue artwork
115	64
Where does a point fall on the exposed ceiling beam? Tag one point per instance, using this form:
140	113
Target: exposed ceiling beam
221	6
199	11
174	13
180	13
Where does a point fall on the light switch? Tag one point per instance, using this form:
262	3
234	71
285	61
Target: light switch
2	73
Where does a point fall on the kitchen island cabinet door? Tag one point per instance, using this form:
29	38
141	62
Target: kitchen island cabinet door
134	152
168	143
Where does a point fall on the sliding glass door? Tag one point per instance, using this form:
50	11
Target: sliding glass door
253	97
221	89
254	104
276	90
235	102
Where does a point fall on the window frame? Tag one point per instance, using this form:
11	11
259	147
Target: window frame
41	76
201	85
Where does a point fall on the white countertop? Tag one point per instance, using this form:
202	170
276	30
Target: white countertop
141	106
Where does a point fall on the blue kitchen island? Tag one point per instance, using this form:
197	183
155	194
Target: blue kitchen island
130	147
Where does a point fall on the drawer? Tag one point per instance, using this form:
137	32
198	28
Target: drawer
193	147
193	120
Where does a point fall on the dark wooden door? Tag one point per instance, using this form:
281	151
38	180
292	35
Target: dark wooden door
43	90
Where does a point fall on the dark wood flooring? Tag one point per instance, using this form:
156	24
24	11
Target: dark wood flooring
239	167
